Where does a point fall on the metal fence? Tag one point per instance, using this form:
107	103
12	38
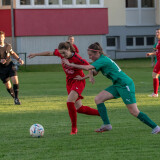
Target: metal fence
23	57
113	54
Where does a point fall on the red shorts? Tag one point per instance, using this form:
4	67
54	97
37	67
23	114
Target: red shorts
77	86
157	67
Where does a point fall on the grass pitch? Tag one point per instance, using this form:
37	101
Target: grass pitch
43	96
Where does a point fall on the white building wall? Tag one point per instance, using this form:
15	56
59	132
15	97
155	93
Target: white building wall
49	43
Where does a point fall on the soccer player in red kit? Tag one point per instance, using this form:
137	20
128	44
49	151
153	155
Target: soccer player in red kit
74	87
156	70
71	40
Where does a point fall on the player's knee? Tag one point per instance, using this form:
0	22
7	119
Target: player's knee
133	113
97	100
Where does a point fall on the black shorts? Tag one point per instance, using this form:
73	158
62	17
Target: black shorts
7	71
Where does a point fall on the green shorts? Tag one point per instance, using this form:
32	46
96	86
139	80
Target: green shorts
126	92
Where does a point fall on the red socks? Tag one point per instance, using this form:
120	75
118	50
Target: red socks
88	110
73	115
155	85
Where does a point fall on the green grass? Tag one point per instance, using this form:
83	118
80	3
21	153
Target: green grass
43	96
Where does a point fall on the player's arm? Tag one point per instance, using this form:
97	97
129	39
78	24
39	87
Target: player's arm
84	67
150	54
15	56
91	72
89	75
46	53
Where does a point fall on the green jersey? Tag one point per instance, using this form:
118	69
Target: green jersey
111	70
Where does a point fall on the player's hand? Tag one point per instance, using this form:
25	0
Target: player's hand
78	77
21	61
3	61
31	55
148	54
65	61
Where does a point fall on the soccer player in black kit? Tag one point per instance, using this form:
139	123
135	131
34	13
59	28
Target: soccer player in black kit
8	69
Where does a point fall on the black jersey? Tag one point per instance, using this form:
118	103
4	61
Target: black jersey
5	52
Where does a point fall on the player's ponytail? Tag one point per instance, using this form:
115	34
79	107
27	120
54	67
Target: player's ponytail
96	47
66	46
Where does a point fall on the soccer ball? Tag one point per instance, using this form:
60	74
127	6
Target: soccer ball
36	130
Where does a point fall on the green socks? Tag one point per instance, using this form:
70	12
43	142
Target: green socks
142	116
103	113
145	119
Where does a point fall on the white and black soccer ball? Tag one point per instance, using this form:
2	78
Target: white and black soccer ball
36	130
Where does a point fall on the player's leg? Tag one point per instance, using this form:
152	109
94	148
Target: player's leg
127	93
73	95
143	117
14	78
9	88
85	109
6	81
15	82
155	75
99	100
155	84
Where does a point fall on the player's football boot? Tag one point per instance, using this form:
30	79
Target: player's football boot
156	130
104	128
74	131
17	102
153	95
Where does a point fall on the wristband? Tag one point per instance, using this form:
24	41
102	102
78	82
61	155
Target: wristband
18	59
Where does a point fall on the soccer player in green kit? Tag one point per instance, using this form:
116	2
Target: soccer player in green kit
123	86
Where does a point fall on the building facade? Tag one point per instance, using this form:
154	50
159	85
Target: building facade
125	28
132	25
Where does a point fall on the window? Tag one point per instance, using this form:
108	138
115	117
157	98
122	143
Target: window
54	2
150	40
94	1
25	2
80	1
129	41
38	2
67	1
139	41
140	12
131	3
6	2
147	3
111	41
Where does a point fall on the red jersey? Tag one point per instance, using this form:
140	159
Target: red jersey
158	50
76	48
70	71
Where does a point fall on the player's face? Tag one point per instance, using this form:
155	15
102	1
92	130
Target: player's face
65	53
2	38
93	56
71	40
158	34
